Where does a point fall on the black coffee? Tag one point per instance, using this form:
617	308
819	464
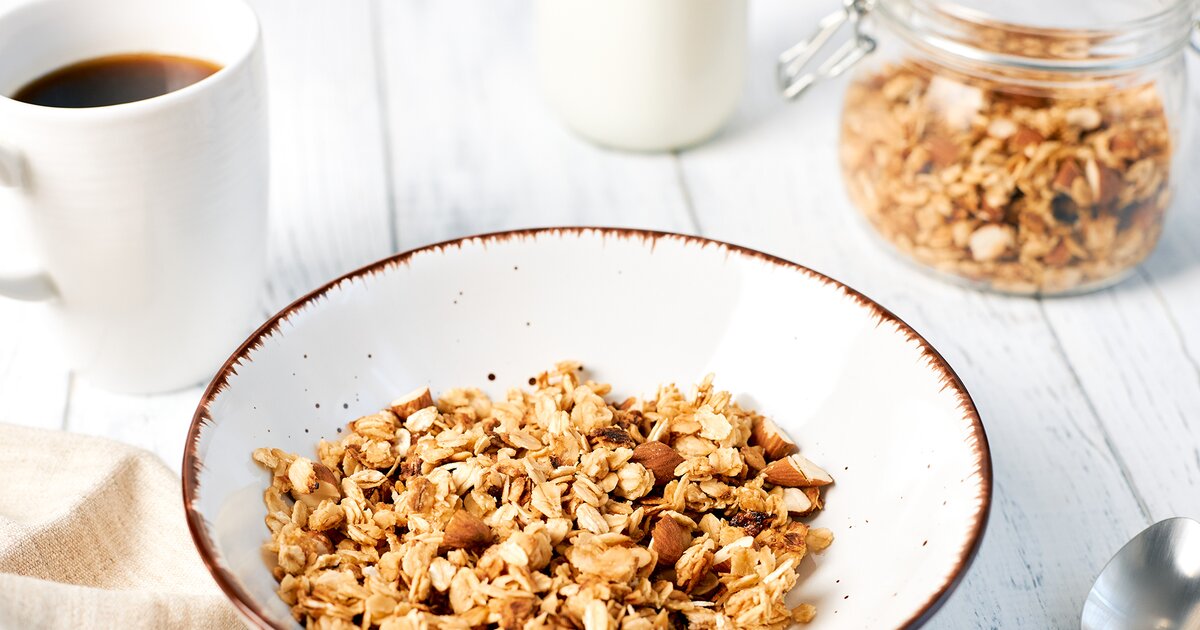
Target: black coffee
115	79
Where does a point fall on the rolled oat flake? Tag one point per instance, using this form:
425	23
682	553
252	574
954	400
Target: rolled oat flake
1023	147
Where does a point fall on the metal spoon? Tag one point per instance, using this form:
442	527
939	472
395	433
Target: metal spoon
1153	583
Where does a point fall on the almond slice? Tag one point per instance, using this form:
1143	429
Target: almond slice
943	151
669	540
466	531
412	402
1068	172
796	472
1123	144
775	443
753	456
797	501
327	488
659	459
1025	137
722	556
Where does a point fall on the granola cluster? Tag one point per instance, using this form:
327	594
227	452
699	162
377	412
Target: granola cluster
552	508
1020	190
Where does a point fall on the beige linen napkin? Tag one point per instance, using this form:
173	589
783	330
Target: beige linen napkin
92	535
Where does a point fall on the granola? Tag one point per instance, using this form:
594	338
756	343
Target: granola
1021	190
551	508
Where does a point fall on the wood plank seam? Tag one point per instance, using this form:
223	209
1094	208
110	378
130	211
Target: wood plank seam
685	192
385	126
1174	321
1122	466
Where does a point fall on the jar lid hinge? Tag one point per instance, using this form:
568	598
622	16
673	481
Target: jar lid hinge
792	72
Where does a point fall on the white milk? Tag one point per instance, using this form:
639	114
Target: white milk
642	75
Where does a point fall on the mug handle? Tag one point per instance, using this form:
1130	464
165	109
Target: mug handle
36	286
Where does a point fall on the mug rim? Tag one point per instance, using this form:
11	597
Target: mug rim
243	57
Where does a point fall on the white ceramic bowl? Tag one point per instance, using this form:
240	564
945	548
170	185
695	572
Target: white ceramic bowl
862	393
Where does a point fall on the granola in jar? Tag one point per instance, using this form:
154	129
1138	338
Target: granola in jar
1029	152
1020	191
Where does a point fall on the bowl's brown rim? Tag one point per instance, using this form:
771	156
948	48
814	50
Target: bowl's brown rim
192	466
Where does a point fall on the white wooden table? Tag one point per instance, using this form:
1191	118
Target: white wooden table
401	122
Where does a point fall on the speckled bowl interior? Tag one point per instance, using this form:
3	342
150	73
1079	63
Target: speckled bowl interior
861	392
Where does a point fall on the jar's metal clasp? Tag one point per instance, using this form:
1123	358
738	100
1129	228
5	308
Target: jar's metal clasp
791	71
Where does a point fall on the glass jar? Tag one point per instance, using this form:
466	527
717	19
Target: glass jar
1027	153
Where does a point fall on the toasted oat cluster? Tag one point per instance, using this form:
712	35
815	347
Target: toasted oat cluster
552	508
1021	191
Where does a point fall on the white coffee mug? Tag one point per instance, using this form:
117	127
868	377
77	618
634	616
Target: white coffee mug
150	216
642	75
